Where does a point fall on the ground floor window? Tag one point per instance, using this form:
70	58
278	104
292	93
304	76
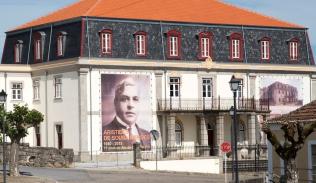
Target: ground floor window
59	132
178	130
38	135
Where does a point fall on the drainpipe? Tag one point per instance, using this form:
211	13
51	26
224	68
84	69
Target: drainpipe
46	106
90	88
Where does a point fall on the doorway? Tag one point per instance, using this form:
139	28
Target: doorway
210	135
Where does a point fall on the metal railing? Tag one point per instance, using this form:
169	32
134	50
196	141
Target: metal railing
185	104
179	152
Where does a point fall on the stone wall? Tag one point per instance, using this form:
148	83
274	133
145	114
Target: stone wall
41	156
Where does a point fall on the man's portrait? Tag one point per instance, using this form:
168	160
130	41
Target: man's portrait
126	111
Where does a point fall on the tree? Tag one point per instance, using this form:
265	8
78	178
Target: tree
296	126
16	125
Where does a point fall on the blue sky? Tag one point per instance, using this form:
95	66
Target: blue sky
17	12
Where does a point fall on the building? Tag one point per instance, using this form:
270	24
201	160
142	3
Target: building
69	64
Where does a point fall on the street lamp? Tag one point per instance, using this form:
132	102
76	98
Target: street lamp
3	99
234	85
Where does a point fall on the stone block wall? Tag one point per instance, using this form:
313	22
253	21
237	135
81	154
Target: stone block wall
41	156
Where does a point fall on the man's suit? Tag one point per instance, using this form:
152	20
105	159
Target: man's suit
116	137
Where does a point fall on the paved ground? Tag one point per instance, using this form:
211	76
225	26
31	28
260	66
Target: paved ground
111	175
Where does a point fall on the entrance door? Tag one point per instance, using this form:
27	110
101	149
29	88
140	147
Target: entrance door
210	134
174	89
207	93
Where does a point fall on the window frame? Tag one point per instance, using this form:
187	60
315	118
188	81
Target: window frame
18	48
59	135
178	131
174	34
61	43
58	93
38	46
209	36
15	89
293	41
37	130
36	89
209	88
175	92
268	49
145	40
232	38
108	45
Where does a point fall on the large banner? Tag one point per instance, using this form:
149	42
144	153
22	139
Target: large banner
126	111
284	94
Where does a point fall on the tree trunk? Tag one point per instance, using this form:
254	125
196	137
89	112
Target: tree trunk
14	159
291	171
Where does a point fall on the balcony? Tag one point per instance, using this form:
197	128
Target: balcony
212	104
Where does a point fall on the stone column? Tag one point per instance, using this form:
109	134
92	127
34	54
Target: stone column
203	137
83	118
219	132
171	121
252	134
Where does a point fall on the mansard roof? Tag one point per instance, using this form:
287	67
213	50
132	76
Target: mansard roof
188	11
304	114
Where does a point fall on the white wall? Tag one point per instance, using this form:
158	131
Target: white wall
196	166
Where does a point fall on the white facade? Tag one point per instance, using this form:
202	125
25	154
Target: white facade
79	109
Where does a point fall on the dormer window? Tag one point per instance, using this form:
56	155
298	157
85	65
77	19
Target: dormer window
236	46
18	51
205	45
61	43
106	42
39	39
265	48
141	43
174	44
293	49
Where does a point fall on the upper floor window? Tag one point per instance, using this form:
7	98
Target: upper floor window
236	46
61	43
140	43
293	49
265	48
36	90
240	89
106	42
205	45
174	44
207	87
58	87
174	86
39	39
16	91
18	51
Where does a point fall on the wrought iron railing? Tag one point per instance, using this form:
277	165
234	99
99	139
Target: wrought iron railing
184	104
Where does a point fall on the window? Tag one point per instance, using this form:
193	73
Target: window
59	132
140	43
58	84
16	91
207	87
265	48
236	46
205	45
293	49
174	87
174	44
38	135
241	136
240	90
39	38
61	43
36	90
178	133
106	42
18	51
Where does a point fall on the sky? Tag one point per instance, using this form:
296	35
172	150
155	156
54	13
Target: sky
302	12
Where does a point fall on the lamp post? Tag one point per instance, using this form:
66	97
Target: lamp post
234	85
3	99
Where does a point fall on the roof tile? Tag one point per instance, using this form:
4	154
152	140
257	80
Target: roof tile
191	11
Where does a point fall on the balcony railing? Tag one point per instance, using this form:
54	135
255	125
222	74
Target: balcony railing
216	104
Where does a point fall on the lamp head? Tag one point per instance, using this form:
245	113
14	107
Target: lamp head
234	83
3	96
